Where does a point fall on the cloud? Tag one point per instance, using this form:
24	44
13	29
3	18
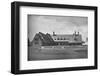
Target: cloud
58	24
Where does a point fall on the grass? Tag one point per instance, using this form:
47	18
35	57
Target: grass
68	52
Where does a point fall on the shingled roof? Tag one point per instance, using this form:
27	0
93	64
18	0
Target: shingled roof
45	38
66	37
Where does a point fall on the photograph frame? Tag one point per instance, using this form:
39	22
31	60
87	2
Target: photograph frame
15	37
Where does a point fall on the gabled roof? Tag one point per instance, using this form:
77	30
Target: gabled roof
45	38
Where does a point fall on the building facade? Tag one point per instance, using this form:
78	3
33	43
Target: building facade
42	39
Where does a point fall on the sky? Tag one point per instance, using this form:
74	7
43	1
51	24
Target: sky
57	24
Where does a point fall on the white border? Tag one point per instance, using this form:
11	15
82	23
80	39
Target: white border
26	65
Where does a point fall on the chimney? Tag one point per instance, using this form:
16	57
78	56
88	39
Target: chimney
75	32
54	34
78	33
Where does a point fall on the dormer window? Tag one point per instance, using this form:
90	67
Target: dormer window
64	38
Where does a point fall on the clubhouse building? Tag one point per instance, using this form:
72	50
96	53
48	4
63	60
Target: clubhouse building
47	39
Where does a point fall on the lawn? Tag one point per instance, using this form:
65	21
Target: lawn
57	52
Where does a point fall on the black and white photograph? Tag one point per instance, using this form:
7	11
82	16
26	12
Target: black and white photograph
53	37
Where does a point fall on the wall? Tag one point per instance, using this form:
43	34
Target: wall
5	39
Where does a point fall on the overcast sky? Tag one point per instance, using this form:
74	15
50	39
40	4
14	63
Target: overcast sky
57	24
